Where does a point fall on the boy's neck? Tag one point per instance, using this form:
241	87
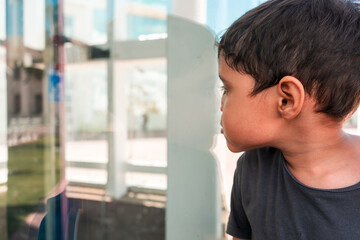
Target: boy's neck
323	157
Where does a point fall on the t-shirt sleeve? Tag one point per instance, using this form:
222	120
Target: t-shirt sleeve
238	224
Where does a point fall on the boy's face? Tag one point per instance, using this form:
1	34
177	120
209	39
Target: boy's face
246	120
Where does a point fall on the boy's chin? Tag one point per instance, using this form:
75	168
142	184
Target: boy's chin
234	149
240	148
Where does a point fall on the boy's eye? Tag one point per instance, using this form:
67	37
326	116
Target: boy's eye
223	89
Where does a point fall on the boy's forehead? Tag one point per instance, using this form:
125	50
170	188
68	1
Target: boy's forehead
224	68
222	63
221	68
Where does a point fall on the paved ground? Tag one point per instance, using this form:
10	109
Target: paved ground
134	217
131	218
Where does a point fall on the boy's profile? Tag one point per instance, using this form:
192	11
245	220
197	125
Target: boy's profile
291	75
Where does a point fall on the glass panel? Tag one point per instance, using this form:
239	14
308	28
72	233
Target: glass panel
146	95
96	111
85	21
138	19
86	120
138	26
2	20
3	144
146	118
193	121
160	5
34	24
3	128
34	115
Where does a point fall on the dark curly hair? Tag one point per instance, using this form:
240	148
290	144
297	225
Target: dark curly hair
316	41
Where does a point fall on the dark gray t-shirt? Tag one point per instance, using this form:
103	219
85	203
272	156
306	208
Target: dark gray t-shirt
268	202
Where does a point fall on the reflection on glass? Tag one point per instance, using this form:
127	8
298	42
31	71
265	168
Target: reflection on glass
85	21
86	121
160	5
142	25
34	24
3	119
146	84
57	71
32	136
139	19
146	92
3	144
2	20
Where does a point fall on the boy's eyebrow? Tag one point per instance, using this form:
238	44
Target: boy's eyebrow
222	79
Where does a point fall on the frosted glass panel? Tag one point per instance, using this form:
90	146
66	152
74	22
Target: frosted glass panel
194	190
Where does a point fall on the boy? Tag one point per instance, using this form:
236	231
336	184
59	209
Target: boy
291	75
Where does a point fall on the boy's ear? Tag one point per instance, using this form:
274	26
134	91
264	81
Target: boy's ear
291	97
